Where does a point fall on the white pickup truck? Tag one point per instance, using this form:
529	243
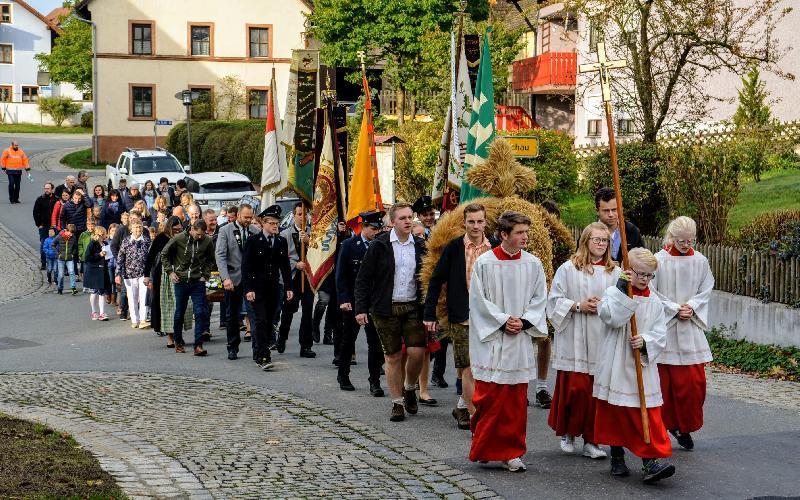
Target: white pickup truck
140	165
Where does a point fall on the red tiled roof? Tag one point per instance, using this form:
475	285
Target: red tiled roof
56	14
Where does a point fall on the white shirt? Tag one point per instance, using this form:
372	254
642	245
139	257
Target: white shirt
500	289
405	267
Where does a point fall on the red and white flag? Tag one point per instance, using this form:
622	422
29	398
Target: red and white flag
274	169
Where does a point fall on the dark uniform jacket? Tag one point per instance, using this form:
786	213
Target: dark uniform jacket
263	266
375	279
634	238
43	210
348	263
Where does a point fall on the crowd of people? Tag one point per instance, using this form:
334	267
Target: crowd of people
151	253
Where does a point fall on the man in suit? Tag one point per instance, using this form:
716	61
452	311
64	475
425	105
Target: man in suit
231	241
605	202
265	262
351	254
304	296
388	292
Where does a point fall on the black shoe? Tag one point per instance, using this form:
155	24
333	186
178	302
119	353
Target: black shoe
345	384
247	338
49	279
281	346
273	347
232	356
327	340
410	400
123	317
205	337
428	402
315	335
439	381
618	467
307	353
43	267
266	364
543	399
60	292
74	292
335	362
654	470
375	389
684	439
462	417
398	413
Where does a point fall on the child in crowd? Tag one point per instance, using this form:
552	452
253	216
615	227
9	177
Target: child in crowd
112	264
96	279
66	246
51	255
83	242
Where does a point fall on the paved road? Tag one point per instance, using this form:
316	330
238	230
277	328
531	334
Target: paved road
746	449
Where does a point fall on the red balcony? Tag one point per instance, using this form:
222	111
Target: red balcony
549	73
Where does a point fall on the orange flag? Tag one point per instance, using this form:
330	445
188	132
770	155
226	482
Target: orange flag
365	192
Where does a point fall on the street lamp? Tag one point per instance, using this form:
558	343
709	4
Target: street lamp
188	97
95	114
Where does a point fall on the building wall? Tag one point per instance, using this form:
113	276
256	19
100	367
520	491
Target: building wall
172	68
29	36
28	112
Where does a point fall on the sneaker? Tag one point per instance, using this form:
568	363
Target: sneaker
102	317
410	399
123	317
684	439
95	316
515	465
462	418
135	326
266	364
74	291
144	325
543	399
654	470
618	467
593	451
398	413
568	444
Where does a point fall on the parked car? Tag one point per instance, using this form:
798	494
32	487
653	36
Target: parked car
140	165
219	189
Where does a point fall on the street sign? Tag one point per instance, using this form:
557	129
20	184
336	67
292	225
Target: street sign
524	146
163	122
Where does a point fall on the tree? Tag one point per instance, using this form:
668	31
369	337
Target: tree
70	60
674	46
229	99
58	108
388	31
753	110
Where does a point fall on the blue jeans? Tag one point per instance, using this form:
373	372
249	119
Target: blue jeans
196	290
43	233
70	268
52	267
111	272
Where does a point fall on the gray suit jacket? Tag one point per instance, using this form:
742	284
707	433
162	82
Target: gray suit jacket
292	236
229	255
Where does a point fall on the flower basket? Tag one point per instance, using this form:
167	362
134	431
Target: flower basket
214	290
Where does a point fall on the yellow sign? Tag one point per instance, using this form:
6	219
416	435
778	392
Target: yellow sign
524	146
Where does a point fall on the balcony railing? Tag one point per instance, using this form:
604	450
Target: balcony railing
551	72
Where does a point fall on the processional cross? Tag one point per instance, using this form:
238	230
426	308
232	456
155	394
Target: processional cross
604	67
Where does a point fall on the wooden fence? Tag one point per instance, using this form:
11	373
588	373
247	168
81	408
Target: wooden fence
741	271
424	100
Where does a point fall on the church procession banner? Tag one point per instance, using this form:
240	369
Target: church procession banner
301	104
274	167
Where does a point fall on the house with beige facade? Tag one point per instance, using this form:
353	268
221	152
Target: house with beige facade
149	50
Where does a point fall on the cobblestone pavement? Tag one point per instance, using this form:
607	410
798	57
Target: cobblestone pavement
775	393
19	268
180	437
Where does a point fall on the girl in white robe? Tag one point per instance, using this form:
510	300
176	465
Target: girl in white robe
618	419
684	284
572	310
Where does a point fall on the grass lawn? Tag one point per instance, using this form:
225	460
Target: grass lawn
778	189
82	160
36	462
26	128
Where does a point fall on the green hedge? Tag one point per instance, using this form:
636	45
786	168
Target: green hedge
236	146
769	360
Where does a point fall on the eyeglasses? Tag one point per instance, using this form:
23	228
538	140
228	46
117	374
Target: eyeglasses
644	276
685	243
599	241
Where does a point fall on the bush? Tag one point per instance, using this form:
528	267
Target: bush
218	146
703	182
417	158
770	360
556	166
87	119
789	244
639	168
58	108
767	228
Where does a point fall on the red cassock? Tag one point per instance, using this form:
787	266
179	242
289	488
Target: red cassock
622	426
500	421
683	388
573	408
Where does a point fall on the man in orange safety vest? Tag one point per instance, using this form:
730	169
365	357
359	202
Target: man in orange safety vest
13	161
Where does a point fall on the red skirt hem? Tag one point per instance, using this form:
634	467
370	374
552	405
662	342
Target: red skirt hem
573	408
500	421
683	388
622	426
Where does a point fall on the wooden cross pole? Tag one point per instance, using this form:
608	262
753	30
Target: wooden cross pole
603	66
